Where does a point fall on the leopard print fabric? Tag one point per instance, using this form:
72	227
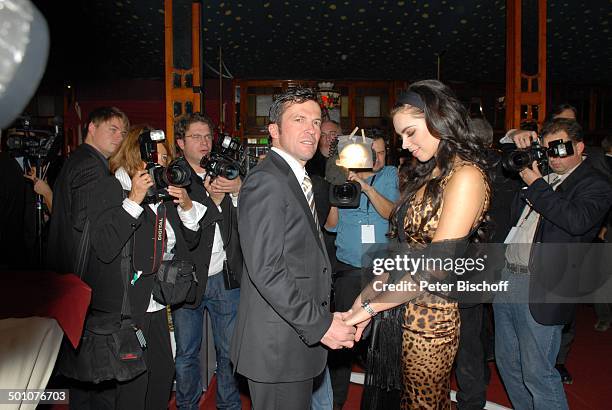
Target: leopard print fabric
430	337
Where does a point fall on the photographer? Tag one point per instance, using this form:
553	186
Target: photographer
123	213
218	261
88	164
565	206
365	224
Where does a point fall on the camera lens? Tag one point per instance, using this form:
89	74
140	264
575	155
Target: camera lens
177	174
516	160
229	171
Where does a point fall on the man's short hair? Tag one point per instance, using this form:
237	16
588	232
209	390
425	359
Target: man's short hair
482	130
181	125
293	95
559	108
104	114
336	123
571	128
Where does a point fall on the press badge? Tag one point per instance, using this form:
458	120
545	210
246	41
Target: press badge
367	234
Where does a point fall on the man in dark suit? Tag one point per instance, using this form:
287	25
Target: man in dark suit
217	258
284	319
565	207
106	127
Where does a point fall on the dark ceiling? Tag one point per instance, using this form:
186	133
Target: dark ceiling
333	39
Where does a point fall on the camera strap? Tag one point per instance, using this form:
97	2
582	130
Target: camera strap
159	241
368	198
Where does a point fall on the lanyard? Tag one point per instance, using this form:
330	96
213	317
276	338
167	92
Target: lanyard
159	238
368	199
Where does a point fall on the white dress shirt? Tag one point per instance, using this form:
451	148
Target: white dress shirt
189	218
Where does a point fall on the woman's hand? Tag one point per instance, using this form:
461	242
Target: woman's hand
141	182
182	197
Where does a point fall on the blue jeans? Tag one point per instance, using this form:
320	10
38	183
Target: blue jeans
222	307
322	395
526	351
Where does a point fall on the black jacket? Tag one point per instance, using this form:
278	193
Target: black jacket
71	194
228	225
111	228
571	214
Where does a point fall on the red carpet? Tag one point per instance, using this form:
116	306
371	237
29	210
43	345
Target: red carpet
589	361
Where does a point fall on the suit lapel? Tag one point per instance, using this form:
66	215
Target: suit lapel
296	189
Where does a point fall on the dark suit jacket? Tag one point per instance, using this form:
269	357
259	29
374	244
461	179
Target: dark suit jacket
71	195
284	300
228	226
111	228
571	214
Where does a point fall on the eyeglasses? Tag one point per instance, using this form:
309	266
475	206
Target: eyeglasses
199	137
331	134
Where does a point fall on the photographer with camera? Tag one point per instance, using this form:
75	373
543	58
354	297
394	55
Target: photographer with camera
218	261
565	206
126	346
366	224
88	164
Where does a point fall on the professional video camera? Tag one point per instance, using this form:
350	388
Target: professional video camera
37	146
177	173
228	159
355	154
520	159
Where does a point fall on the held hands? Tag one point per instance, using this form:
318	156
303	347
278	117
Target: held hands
339	335
182	198
141	182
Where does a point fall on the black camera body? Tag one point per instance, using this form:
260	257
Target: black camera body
228	159
517	160
35	145
177	173
347	195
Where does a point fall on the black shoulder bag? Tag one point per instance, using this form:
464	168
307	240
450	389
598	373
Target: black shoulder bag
108	350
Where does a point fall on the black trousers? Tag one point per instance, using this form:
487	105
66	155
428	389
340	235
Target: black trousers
347	286
151	390
281	396
470	362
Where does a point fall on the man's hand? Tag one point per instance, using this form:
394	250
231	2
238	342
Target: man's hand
365	187
226	186
523	139
530	174
350	319
182	198
215	195
141	182
339	335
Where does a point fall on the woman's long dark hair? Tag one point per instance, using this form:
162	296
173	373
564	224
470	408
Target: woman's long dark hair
447	120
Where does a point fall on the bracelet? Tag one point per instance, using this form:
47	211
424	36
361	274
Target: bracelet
366	306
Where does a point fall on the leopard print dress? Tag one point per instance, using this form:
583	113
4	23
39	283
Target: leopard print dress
430	336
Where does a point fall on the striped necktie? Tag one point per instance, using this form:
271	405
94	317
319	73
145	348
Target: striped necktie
307	188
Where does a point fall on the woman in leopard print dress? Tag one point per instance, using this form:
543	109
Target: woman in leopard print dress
443	202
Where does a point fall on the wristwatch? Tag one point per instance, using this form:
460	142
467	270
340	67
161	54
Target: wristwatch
366	306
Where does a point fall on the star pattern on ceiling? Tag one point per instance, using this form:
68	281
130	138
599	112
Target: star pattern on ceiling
349	39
